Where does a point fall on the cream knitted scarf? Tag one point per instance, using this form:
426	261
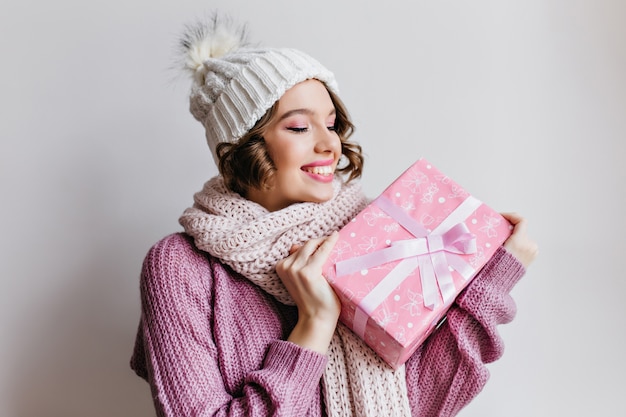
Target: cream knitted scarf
251	240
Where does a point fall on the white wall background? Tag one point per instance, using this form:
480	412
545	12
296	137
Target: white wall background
523	102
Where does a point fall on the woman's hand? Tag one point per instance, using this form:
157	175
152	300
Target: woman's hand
519	244
318	305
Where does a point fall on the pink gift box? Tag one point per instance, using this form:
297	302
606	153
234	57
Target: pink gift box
401	262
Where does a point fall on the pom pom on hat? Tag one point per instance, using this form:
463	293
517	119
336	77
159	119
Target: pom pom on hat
210	38
234	83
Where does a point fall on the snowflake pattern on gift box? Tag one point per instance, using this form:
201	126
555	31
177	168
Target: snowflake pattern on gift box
414	181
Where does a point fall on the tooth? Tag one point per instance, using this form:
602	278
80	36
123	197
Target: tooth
325	170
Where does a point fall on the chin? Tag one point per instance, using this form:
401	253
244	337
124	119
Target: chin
321	199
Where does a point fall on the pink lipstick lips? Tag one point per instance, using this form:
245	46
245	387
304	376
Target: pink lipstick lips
320	170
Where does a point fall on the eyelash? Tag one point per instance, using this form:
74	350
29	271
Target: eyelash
304	129
298	129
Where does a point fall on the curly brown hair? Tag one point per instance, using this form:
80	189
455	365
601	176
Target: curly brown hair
246	163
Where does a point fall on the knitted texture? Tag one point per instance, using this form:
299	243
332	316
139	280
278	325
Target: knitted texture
231	92
251	240
212	343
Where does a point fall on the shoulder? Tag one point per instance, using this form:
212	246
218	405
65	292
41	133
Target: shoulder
175	242
174	261
172	250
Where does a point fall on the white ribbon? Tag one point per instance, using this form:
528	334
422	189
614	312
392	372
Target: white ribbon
426	252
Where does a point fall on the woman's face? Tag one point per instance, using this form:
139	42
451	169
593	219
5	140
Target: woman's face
302	142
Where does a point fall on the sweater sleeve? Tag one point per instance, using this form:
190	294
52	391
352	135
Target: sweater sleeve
176	353
449	370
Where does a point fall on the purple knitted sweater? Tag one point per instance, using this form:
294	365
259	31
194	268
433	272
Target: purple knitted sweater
210	343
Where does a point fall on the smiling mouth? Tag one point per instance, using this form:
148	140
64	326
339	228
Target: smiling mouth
320	170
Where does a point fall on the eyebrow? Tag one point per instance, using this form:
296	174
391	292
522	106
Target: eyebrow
305	111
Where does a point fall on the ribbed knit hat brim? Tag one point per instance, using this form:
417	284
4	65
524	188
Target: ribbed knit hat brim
237	89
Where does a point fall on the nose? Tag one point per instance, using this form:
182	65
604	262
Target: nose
326	141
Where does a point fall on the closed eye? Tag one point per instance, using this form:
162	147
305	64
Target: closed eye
298	129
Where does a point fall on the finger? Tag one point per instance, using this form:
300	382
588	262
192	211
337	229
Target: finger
519	222
283	265
324	249
329	242
314	248
513	218
294	249
309	248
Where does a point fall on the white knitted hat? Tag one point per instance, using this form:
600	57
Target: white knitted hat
235	84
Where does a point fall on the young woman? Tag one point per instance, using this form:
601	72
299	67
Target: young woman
237	318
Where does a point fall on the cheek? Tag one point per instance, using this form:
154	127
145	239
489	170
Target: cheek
338	147
283	154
